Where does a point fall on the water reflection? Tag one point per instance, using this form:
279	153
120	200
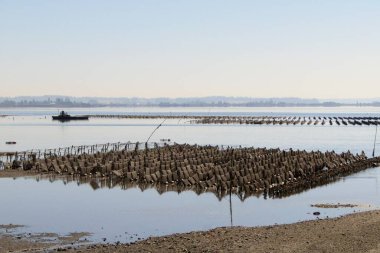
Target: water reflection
119	210
97	183
113	182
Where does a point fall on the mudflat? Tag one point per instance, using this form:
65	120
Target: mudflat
353	233
12	241
358	232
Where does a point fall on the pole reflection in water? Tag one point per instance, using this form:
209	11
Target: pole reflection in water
109	207
231	209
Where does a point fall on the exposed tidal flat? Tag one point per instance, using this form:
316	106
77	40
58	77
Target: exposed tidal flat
120	211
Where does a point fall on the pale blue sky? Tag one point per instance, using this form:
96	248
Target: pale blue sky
174	48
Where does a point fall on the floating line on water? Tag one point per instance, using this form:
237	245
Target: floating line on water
260	120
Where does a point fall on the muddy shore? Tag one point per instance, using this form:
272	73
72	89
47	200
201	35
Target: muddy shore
353	233
11	240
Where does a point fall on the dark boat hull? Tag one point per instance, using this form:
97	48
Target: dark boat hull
67	118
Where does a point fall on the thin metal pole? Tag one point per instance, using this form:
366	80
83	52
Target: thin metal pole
155	130
230	172
374	143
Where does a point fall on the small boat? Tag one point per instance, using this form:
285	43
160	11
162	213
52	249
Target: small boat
63	116
10	142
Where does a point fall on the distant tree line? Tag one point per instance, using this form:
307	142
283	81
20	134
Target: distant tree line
44	103
167	102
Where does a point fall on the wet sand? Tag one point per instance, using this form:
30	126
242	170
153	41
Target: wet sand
13	241
353	233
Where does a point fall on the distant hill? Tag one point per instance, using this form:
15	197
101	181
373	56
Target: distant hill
214	101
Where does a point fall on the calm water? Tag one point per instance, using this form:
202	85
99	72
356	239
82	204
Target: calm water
125	215
34	129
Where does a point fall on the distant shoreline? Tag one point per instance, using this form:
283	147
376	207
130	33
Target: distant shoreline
322	105
49	101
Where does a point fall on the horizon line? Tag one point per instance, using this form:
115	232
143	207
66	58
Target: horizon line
197	97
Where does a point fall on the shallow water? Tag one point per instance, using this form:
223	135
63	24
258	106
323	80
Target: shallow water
126	215
34	129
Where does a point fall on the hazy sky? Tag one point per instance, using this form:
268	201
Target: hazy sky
174	48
